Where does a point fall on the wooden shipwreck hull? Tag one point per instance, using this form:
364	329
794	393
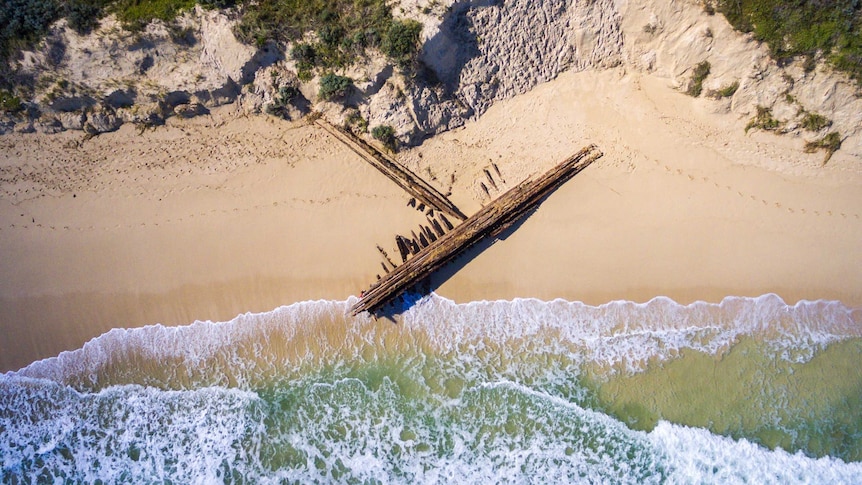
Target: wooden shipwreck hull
490	221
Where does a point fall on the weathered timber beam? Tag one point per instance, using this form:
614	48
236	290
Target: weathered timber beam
490	221
401	175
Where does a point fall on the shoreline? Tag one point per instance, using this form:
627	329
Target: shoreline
208	218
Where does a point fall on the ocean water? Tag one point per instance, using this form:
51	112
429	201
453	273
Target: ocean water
750	390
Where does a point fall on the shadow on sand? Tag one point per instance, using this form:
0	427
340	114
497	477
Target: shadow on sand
415	294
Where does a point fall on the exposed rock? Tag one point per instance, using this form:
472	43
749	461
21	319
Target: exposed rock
488	50
474	53
25	127
72	120
49	126
190	110
102	121
146	114
71	103
390	107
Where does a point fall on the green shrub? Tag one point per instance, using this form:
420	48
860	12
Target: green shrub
701	71
356	123
401	40
136	14
344	30
216	4
385	134
334	86
83	15
763	120
9	103
831	28
729	90
286	94
831	143
814	121
344	27
24	23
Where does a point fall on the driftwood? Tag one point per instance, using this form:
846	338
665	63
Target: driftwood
437	228
490	179
497	169
403	249
448	224
490	221
396	172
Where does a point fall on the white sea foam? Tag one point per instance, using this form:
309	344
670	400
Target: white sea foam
124	434
698	456
618	336
345	429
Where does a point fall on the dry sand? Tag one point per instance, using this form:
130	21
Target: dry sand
211	217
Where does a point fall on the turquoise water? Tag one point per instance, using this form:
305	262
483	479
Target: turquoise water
746	391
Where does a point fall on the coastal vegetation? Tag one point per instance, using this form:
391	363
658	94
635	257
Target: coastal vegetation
385	134
698	76
9	103
830	143
333	86
763	120
343	29
355	122
812	29
814	122
726	91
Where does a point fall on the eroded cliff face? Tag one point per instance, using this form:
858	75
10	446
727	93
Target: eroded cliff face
473	54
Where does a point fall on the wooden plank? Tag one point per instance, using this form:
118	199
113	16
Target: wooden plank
490	221
401	175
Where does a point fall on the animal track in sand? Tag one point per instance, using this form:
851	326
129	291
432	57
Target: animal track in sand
746	195
285	204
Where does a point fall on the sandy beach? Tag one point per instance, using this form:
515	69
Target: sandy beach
207	218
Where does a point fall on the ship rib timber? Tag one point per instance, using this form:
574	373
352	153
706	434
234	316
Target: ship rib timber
489	221
393	170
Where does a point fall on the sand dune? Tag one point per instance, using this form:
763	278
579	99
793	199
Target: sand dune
223	214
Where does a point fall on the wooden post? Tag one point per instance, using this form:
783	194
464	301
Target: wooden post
490	221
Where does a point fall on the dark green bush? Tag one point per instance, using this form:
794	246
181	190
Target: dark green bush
136	14
333	86
814	121
701	71
25	22
401	40
286	95
217	4
344	28
806	28
355	122
10	103
385	134
831	143
84	15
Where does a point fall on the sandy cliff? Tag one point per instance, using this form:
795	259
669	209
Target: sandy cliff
474	53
